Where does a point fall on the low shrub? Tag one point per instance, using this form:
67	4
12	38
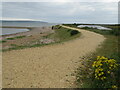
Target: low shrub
10	38
74	32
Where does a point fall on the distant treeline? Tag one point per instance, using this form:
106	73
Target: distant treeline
92	24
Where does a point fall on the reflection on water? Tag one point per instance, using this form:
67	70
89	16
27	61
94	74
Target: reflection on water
95	26
12	30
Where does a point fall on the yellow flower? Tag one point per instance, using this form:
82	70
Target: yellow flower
99	74
108	71
96	76
110	68
101	69
93	65
114	86
104	77
111	65
98	57
103	57
102	66
102	73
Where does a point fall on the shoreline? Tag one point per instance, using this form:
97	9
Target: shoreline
32	31
25	38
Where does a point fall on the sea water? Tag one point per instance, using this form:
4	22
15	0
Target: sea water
20	24
12	30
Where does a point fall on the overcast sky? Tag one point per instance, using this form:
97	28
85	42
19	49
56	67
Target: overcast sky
62	12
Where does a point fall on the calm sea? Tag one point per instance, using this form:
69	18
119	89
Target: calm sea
21	24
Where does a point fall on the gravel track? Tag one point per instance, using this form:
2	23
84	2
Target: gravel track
49	66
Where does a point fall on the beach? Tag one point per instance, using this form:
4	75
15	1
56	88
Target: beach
33	34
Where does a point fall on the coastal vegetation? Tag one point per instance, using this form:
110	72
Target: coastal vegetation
60	35
17	37
115	28
90	76
2	41
63	34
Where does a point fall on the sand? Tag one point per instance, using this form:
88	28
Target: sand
50	66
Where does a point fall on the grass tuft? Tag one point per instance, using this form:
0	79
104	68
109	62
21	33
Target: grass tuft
3	41
17	37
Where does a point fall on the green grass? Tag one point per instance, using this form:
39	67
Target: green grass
13	45
17	37
20	36
3	41
63	34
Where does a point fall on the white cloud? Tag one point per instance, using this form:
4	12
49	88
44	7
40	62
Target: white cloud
94	12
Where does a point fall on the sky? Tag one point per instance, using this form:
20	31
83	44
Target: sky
62	12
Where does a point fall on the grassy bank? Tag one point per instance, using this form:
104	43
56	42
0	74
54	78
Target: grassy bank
63	34
60	35
109	48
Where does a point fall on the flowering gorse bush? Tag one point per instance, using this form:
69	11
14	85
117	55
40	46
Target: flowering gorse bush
104	72
104	67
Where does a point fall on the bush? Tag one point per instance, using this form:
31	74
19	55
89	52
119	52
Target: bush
74	32
104	74
10	38
115	32
56	27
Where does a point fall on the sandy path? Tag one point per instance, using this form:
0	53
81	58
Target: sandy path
49	66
